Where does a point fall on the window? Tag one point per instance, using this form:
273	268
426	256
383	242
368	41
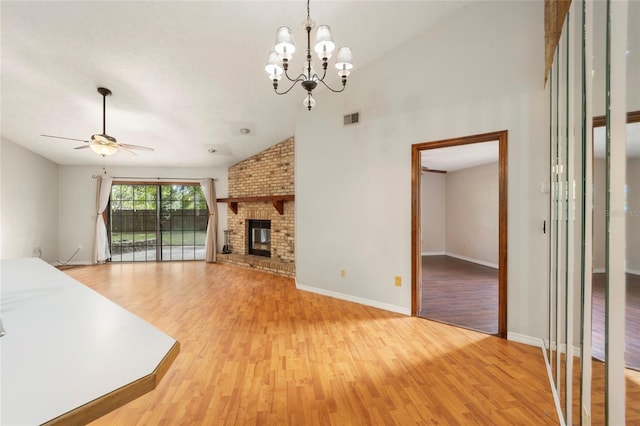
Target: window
150	222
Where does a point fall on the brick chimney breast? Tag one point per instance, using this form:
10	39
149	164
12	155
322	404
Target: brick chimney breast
268	173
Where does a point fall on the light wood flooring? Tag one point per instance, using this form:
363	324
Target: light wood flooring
461	293
254	350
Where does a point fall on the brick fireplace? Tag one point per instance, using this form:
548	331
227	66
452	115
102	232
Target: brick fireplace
261	189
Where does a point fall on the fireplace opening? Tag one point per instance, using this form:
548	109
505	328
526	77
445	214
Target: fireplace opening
259	237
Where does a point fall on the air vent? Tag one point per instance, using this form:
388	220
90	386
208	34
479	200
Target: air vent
350	119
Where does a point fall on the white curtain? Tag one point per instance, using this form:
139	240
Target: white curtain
210	244
101	242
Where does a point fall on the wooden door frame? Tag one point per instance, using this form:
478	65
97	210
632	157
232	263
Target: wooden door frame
416	231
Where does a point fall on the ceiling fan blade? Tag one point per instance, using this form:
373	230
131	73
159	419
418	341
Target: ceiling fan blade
138	147
124	148
69	139
82	147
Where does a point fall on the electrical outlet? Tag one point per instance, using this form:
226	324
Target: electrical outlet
398	281
37	251
343	273
79	247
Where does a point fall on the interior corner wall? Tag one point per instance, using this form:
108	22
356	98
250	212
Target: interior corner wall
28	203
433	213
479	70
77	191
472	202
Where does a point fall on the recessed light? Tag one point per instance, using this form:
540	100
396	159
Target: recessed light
245	131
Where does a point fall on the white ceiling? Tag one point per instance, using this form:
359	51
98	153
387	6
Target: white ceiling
453	158
185	76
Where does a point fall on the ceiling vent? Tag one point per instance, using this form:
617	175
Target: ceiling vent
350	119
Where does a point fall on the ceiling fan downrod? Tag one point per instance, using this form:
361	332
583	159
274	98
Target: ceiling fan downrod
104	92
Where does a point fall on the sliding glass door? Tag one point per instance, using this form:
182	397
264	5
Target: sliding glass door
157	222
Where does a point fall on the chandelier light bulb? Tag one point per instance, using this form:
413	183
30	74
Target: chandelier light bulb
324	42
285	45
344	73
344	60
274	65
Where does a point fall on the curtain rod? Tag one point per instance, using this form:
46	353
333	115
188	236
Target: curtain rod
152	178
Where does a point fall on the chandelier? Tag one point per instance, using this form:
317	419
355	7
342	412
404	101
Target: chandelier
279	57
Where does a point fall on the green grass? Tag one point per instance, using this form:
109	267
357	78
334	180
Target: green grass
168	237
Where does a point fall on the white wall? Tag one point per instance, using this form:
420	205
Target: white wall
28	203
472	214
433	211
78	194
480	70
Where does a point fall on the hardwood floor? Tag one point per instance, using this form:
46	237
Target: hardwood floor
632	319
254	350
458	292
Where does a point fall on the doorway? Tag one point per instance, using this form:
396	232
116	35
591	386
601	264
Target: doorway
428	283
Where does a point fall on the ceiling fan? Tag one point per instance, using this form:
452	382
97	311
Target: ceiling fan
103	144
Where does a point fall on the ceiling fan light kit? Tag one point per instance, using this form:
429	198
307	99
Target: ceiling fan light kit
101	143
278	60
103	149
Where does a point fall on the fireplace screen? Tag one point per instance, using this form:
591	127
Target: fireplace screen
259	237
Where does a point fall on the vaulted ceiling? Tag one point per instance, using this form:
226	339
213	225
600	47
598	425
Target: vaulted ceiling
185	76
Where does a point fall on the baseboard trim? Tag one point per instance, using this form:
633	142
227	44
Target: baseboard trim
562	348
434	253
354	299
523	338
74	263
472	260
535	341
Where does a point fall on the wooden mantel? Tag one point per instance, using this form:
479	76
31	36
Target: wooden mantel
276	200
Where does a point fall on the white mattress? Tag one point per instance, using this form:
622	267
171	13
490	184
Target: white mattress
66	345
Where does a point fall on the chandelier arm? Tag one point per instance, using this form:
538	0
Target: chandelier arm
324	74
300	77
291	87
344	85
